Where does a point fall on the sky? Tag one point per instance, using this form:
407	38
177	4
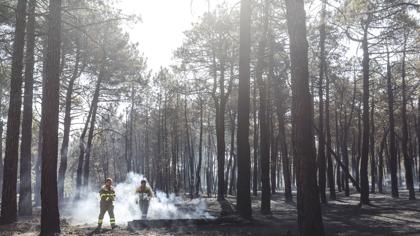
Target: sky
163	24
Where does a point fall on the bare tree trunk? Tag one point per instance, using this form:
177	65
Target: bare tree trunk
308	205
407	158
392	144
339	180
232	154
372	144
94	108
243	197
418	134
322	165
1	143
284	155
67	125
209	172
50	218
330	167
364	181
381	163
9	201
25	189
255	143
79	171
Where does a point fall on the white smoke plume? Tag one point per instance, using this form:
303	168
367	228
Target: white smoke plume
86	210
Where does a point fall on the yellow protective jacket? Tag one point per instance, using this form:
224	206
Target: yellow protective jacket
107	195
144	193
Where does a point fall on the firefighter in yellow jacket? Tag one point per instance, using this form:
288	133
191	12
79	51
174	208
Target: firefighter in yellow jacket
107	195
145	194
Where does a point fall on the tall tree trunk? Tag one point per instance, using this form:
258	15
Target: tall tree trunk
1	143
25	189
321	144
263	119
407	158
209	172
232	151
9	201
37	189
220	131
243	197
273	137
381	163
338	150
372	144
50	218
418	135
284	153
330	167
200	152
94	108
308	205
392	144
364	181
255	141
82	147
67	125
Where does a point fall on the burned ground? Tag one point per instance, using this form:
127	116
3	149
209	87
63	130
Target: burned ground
386	216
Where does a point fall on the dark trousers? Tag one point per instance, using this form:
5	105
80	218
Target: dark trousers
144	207
106	207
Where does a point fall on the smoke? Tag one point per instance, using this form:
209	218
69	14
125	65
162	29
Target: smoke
86	210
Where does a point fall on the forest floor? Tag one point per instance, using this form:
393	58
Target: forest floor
386	216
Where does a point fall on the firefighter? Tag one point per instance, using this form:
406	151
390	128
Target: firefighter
107	195
145	194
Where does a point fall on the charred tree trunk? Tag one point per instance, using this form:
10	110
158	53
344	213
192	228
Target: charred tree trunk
407	158
82	148
263	119
364	181
284	155
372	144
381	163
67	125
244	163
255	143
200	152
392	144
232	151
308	205
321	144
418	134
94	108
9	201
25	189
50	218
330	167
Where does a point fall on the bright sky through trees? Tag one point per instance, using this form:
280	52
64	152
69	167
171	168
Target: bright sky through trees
163	24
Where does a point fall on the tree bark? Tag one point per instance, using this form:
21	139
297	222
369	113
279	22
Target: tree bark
392	144
243	197
372	144
25	189
364	181
67	125
308	205
321	144
50	218
94	108
263	118
381	163
255	141
200	152
9	201
407	158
